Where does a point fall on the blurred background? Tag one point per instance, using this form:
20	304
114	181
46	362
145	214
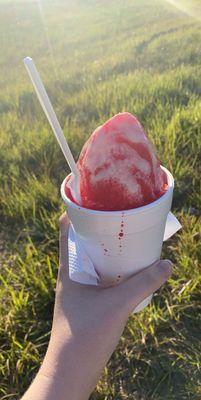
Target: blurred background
98	58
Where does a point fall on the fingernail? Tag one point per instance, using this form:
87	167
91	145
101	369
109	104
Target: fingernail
162	262
167	266
168	262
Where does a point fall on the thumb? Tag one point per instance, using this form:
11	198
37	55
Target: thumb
134	290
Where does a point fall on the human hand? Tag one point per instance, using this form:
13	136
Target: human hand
87	324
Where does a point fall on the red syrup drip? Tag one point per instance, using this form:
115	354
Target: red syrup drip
121	234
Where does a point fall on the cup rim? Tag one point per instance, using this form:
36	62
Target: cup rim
132	211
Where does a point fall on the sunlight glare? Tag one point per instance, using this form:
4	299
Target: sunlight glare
186	6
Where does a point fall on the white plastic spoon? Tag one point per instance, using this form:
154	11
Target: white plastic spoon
52	118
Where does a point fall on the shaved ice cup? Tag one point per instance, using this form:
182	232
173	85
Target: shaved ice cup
122	243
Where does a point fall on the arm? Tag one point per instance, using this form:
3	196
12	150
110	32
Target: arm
87	324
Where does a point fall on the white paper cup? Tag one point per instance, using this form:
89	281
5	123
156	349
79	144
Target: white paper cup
121	243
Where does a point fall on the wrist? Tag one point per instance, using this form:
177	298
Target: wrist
61	368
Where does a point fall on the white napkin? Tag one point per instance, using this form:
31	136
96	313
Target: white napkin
81	268
171	227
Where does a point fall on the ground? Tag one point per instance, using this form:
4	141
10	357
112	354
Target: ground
98	58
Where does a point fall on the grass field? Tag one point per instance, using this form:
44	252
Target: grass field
98	58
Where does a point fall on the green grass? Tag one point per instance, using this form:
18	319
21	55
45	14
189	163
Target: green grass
98	58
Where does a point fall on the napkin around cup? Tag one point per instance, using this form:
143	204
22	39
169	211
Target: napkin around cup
81	268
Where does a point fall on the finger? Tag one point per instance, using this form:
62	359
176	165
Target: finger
63	243
135	289
63	223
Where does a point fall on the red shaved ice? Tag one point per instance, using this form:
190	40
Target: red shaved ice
119	168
